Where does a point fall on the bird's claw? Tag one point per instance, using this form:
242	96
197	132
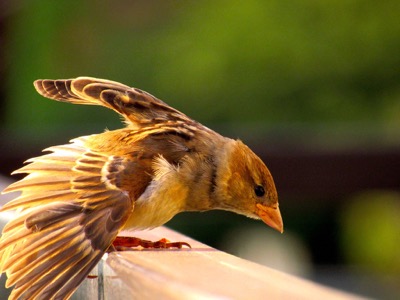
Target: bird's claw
124	243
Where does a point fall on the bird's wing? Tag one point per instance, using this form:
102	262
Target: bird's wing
136	106
69	212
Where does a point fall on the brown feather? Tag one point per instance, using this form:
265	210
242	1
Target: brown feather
62	218
77	197
137	106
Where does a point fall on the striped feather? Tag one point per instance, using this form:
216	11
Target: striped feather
69	212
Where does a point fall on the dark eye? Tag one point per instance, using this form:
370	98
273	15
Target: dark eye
259	191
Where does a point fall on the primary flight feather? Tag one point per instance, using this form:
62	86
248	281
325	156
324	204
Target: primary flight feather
77	198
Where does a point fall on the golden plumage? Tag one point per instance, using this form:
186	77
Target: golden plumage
76	198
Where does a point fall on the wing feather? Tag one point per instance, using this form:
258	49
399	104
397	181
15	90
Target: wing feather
77	197
70	210
138	107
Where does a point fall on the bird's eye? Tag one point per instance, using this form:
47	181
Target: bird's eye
259	190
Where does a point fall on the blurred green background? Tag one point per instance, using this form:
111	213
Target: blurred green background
311	86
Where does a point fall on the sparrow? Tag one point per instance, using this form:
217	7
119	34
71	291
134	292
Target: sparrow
76	198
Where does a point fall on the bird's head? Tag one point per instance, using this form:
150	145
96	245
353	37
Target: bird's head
249	187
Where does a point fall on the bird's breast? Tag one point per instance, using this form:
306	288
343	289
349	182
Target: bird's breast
154	211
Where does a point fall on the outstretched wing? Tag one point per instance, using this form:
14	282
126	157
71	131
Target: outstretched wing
69	212
136	106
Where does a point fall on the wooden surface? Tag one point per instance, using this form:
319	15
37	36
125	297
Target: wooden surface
198	273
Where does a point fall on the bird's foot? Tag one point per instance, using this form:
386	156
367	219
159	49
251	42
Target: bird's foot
123	243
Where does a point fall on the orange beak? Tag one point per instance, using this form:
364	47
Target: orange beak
270	216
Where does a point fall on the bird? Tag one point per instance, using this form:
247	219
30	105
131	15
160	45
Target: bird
76	198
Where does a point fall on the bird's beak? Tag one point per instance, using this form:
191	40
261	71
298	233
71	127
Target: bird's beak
270	216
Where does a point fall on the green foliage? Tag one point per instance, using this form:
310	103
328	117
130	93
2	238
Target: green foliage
219	61
371	231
